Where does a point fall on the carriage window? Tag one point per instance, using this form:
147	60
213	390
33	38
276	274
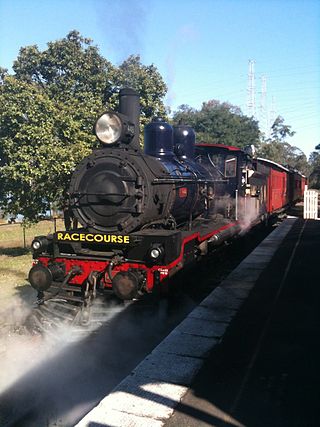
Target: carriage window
231	167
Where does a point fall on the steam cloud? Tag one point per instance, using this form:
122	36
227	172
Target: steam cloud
185	34
250	207
49	382
248	210
15	346
123	23
21	351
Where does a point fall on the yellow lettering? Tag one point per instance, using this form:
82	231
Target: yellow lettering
98	238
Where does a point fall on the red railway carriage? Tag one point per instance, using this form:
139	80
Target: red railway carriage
277	185
297	185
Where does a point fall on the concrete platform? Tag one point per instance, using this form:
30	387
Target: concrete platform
246	356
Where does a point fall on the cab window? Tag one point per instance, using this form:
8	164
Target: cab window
230	167
217	161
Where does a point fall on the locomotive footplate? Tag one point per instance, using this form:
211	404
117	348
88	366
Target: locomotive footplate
129	265
160	246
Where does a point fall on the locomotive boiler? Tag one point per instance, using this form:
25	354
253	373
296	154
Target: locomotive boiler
145	214
119	188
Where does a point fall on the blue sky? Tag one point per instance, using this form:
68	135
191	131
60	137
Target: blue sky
200	47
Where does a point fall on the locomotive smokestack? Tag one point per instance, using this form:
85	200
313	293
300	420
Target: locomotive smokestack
129	104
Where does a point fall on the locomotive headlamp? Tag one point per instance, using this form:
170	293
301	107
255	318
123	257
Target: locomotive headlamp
40	243
36	245
156	252
113	127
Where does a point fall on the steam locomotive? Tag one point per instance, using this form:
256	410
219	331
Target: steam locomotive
147	214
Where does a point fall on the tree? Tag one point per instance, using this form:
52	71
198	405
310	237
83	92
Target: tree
37	148
46	114
73	74
314	161
276	148
280	131
47	111
69	69
219	123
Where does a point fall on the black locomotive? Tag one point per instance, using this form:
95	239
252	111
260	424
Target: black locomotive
146	214
119	188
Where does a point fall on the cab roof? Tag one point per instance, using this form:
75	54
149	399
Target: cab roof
225	147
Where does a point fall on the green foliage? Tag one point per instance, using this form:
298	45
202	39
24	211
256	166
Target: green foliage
36	148
219	123
276	148
280	131
314	161
69	69
147	81
47	112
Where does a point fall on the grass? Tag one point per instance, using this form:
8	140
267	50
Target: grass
16	260
12	235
